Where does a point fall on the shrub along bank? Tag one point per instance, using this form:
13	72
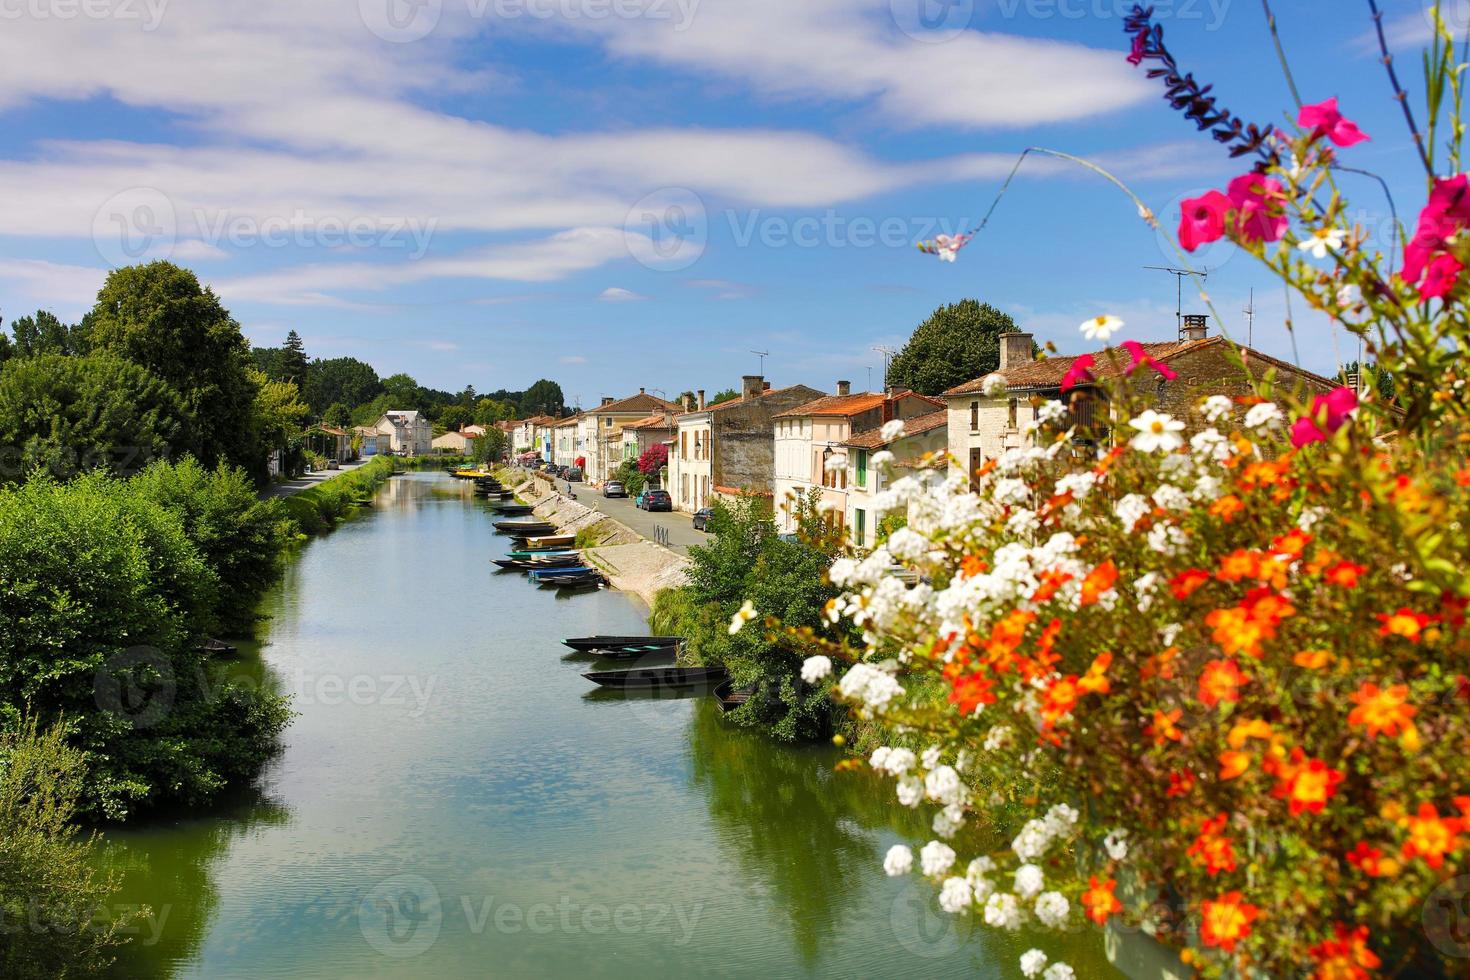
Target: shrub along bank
322	507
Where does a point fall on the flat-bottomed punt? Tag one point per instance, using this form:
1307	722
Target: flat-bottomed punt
728	698
659	678
608	643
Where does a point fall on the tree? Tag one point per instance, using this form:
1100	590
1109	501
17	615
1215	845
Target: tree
453	417
343	380
404	392
654	458
337	416
45	334
543	398
956	344
488	411
728	395
293	361
72	414
158	316
278	413
7	349
490	447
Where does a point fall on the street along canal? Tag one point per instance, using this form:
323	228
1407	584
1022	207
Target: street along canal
455	800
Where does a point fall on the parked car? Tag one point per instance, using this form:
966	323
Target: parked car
701	519
573	475
657	500
612	488
333	464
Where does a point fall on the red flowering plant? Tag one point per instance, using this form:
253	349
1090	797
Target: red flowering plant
1211	680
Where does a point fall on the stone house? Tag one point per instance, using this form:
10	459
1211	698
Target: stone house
728	449
605	451
566	447
981	428
920	451
408	433
461	443
809	445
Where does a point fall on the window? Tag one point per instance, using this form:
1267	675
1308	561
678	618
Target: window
1011	414
683	445
977	460
974	416
862	469
860	528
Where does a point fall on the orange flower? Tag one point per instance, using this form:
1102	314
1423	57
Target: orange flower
1181	783
970	691
1098	581
1226	921
1220	681
1060	699
1313	659
1160	665
1347	957
1406	623
1293	543
1099	900
1239	564
1242	628
1186	583
1162	729
1432	836
1096	680
973	565
1212	849
1382	712
1307	784
1233	764
1345	574
1370	861
1251	728
1226	508
1005	636
1051	580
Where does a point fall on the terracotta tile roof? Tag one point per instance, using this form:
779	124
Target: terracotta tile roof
840	406
642	402
658	421
873	438
1049	372
570	420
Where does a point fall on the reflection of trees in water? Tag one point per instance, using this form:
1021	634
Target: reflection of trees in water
171	870
806	832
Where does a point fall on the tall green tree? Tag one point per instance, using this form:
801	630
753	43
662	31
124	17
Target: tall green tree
72	414
404	392
337	415
543	398
293	361
958	343
44	333
344	380
160	317
728	395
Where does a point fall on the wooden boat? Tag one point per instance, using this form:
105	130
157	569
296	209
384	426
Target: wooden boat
217	648
637	653
513	510
537	552
526	529
588	581
539	573
659	678
728	698
552	541
612	643
539	563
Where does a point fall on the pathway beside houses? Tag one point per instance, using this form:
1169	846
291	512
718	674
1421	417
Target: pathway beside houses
287	488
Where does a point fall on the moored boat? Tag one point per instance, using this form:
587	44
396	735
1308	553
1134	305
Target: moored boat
728	698
620	642
656	678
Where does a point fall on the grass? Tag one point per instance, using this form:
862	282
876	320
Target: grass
322	507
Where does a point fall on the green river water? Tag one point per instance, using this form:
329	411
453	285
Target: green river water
455	800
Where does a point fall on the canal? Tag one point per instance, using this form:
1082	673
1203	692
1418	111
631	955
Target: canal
455	800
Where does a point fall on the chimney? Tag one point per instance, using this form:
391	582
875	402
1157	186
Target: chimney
1015	349
608	399
844	388
751	386
642	391
1196	327
700	393
765	386
895	390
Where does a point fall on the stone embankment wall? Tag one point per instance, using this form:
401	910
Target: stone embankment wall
631	562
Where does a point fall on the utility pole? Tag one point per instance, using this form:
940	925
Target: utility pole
1250	319
1179	275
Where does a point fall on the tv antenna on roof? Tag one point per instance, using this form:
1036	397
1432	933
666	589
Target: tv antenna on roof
1250	318
762	354
1179	275
888	355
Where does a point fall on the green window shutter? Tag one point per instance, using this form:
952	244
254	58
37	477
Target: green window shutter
862	469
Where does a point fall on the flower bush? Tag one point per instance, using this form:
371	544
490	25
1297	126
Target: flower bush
1210	682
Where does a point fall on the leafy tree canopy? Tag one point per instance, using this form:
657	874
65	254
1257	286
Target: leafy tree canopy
343	380
543	398
728	395
45	334
958	343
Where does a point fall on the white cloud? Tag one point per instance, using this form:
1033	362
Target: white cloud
617	294
62	288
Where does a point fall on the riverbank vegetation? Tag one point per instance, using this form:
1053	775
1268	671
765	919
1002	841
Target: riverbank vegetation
322	507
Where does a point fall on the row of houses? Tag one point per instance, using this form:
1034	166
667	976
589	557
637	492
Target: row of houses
786	443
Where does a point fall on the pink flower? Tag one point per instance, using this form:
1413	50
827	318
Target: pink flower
1140	47
1444	274
1142	358
1079	373
1323	119
1203	220
1328	413
1258	198
1447	212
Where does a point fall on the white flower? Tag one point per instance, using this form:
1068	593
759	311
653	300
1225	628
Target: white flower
1145	587
744	615
1023	523
1116	843
935	858
1052	909
1060	819
1029	881
1349	296
1008	491
1167	539
1130	510
898	861
1059	971
1322	240
1101	327
1208	488
930	757
993	386
1170	497
1032	841
1052	411
947	822
835	463
1217	407
873	687
892	429
910	791
1156	433
1003	911
1033	961
980	867
881	459
1265	415
956	895
906	544
1168	634
998	738
895	762
815	668
1079	485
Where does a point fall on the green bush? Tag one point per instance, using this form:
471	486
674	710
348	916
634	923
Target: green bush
53	900
321	507
103	602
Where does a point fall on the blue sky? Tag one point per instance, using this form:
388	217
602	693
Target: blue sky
637	193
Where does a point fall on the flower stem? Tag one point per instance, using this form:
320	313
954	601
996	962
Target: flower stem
1398	90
